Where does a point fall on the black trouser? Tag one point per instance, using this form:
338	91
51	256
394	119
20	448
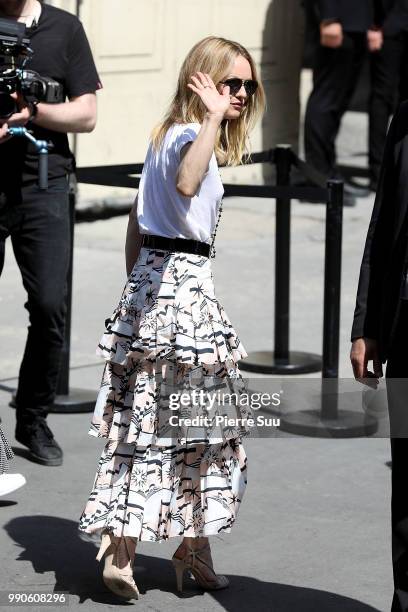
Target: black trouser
397	390
385	74
38	224
334	79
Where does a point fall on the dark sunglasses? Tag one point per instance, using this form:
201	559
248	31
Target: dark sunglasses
235	85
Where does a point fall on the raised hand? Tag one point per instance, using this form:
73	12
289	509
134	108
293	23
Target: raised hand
216	103
19	118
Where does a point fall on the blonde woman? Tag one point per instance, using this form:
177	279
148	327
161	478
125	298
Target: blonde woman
157	479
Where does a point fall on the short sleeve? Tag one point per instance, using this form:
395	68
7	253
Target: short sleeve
187	134
82	76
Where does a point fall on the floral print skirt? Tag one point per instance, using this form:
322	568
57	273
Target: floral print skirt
174	463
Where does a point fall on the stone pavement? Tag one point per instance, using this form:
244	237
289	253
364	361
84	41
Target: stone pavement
313	531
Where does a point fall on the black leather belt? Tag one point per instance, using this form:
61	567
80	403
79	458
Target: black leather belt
184	245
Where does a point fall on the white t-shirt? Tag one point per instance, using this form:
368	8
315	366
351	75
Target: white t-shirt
162	210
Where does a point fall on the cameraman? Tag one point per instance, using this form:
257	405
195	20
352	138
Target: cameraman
38	221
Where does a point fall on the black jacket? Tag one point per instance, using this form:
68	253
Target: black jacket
384	264
354	15
395	16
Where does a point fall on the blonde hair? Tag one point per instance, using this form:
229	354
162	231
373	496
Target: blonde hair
214	56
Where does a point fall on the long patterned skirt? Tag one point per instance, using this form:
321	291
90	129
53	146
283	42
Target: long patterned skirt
174	463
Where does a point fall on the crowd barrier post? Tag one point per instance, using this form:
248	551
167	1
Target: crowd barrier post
283	161
326	419
282	360
68	399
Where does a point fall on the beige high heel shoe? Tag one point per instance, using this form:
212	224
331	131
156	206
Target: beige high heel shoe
189	562
118	570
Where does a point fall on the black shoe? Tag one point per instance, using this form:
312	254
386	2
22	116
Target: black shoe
39	439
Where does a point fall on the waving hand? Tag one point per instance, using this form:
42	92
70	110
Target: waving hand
215	102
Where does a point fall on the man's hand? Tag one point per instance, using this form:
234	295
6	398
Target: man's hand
331	35
375	40
20	118
362	351
4	135
23	114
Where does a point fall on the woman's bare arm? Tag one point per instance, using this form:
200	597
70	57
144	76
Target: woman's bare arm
133	239
196	156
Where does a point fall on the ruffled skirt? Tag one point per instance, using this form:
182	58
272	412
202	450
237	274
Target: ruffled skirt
169	406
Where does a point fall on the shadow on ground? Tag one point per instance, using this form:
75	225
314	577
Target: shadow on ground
54	545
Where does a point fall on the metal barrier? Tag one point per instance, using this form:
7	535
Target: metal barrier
281	360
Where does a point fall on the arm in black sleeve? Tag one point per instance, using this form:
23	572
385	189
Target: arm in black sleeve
379	12
82	76
396	19
367	312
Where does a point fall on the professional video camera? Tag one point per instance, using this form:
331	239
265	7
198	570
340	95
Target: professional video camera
15	52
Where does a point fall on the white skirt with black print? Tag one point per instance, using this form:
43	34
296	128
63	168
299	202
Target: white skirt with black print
172	465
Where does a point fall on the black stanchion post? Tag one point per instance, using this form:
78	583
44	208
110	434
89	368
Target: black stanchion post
63	380
74	400
283	161
331	310
326	420
282	360
332	280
